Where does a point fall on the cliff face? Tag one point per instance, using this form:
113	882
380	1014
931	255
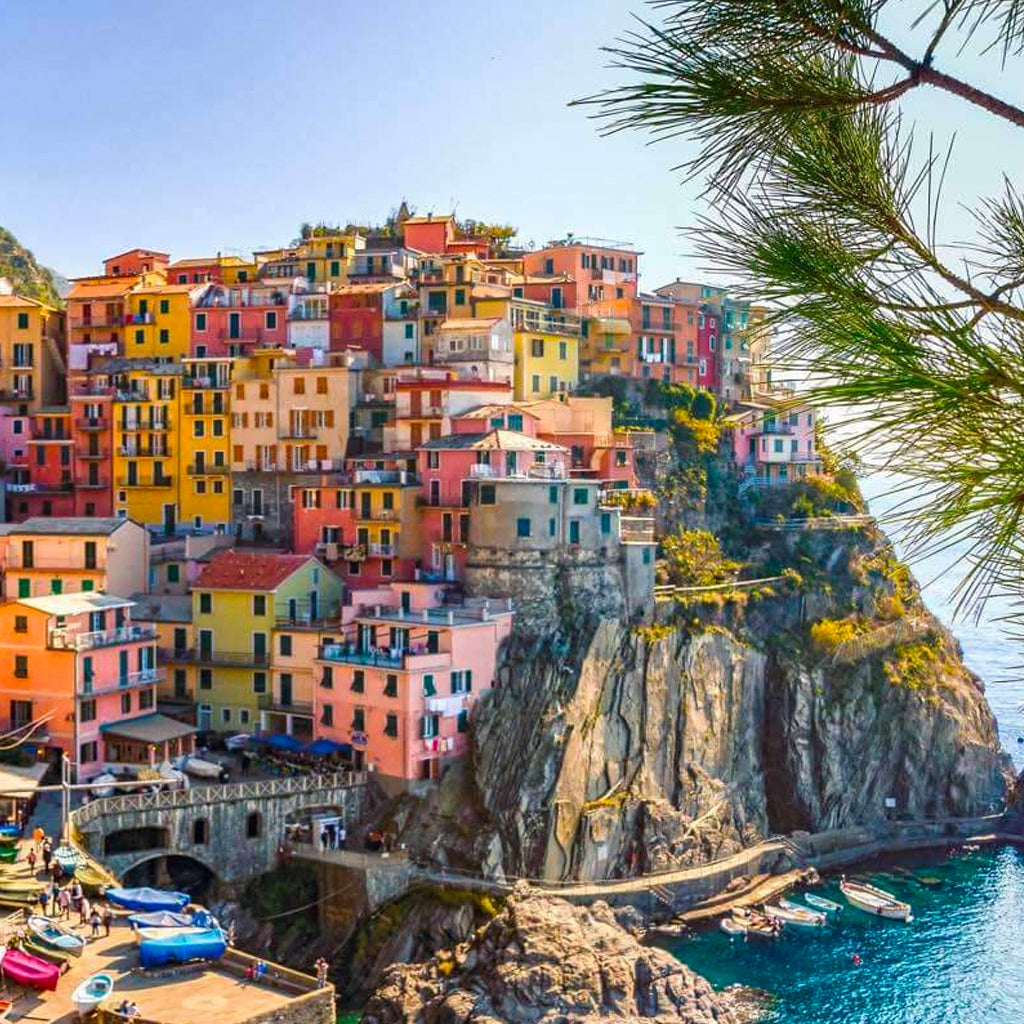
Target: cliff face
27	277
626	750
547	961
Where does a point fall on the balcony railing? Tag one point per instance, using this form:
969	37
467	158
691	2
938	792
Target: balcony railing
80	323
164	481
243	659
269	702
131	395
209	470
135	426
93	485
636	529
144	453
205	383
65	640
350	656
16	394
88	453
134	680
41	488
92	423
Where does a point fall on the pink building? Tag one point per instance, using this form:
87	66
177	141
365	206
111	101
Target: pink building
400	683
77	666
774	444
600	269
233	320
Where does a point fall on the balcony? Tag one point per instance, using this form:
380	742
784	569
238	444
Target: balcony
384	476
132	681
636	529
16	394
138	319
382	657
131	395
137	426
64	640
164	481
256	511
382	550
250	336
86	323
297	432
239	659
143	453
299	614
100	453
92	423
93	485
41	488
268	702
204	384
381	515
205	470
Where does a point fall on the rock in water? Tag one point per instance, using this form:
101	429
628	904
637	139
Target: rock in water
543	961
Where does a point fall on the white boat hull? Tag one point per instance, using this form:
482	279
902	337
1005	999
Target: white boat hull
877	903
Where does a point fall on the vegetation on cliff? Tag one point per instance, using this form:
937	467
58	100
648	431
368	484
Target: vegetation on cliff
28	277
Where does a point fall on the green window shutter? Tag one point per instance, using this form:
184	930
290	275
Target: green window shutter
23	321
165	306
87	585
24	588
429	689
469	680
463	721
335	269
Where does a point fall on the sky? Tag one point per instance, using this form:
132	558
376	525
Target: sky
198	127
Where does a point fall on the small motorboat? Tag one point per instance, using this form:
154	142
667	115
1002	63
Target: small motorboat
178	779
10	830
101	785
6	841
875	901
757	924
51	933
820	903
26	890
794	916
68	858
160	946
8	854
162	919
205	769
147	899
55	956
32	971
733	927
91	993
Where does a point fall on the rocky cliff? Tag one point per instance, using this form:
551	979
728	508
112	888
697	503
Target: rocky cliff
27	277
829	699
542	960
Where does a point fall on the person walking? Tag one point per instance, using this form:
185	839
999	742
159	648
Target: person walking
342	837
47	853
84	911
44	901
108	919
321	972
64	902
94	922
77	895
32	861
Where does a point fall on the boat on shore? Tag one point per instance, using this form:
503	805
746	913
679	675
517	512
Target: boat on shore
823	904
58	936
205	769
91	993
875	901
29	970
101	786
146	899
160	946
791	915
161	919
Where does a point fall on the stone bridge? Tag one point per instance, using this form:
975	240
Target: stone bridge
233	830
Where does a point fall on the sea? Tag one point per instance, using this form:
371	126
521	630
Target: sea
960	960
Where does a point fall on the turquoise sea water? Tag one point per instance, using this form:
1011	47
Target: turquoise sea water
958	962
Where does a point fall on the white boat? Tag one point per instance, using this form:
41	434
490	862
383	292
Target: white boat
793	916
875	901
145	934
732	927
204	769
240	741
178	779
820	903
55	935
790	905
101	785
91	993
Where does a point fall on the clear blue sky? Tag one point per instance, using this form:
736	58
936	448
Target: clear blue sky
203	126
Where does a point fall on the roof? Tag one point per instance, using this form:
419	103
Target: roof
74	604
369	287
102	288
162	607
140	251
243	570
439	219
13	777
18	301
168	289
491	291
470	323
125	365
495	440
101	526
208	261
482	412
155	728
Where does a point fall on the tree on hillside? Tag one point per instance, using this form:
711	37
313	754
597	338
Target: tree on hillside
825	205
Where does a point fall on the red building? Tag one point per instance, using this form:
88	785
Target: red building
323	522
707	349
45	487
92	430
231	321
135	262
356	316
438	236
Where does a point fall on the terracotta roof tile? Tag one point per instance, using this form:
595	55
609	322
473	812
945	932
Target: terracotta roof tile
238	570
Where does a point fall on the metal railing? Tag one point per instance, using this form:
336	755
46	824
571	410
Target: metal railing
209	470
198	796
92	423
268	702
101	637
148	677
243	659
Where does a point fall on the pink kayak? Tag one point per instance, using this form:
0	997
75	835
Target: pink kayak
26	969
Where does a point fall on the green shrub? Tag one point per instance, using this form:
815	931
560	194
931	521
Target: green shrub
829	634
694	558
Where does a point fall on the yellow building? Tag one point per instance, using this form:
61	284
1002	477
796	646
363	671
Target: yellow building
31	366
158	321
237	603
324	259
171	616
204	444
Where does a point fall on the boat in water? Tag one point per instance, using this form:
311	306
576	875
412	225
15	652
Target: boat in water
160	946
733	927
794	916
146	899
820	903
56	935
91	993
758	925
32	971
875	901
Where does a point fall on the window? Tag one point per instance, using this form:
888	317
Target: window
23	321
254	825
165	336
536	382
563	350
327	714
145	699
462	682
286	645
89	752
21	666
225	715
579	496
358	681
88	711
359	719
460	296
200	832
391	726
410	332
206	604
429	689
259	682
206	679
140	337
270	321
259	604
523	527
327	679
429	726
198	429
391	686
537	348
243	716
462	722
20	623
647	556
606	523
126	703
488	494
173	572
298	386
200	321
87	584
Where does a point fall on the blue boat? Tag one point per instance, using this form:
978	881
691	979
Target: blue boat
10	830
180	947
161	919
147	899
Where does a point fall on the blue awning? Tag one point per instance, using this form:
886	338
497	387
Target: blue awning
325	747
282	742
